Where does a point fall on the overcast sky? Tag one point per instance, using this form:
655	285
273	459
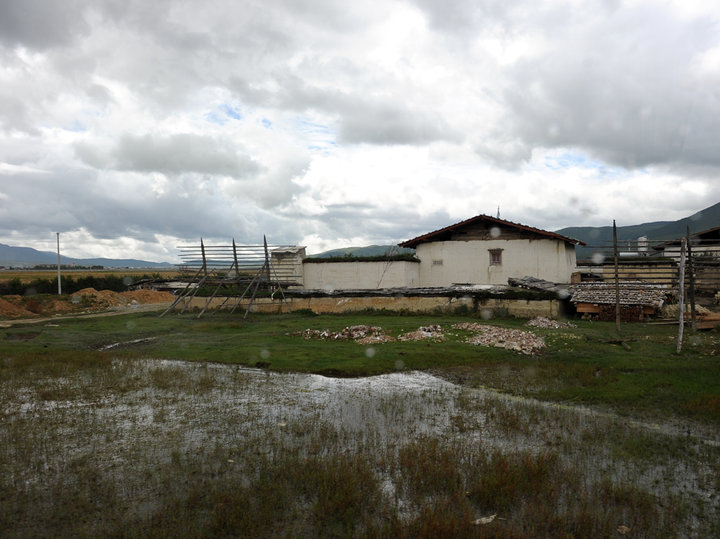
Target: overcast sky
133	126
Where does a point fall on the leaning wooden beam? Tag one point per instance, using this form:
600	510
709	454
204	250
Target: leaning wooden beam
182	294
252	299
237	303
217	288
195	291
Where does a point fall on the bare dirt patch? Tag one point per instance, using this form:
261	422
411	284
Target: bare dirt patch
86	300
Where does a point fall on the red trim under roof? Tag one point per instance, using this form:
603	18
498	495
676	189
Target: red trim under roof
430	236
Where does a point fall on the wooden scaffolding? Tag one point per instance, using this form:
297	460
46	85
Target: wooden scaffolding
247	267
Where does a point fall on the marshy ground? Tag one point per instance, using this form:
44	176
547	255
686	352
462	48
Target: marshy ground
489	443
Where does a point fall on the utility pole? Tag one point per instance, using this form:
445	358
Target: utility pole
58	251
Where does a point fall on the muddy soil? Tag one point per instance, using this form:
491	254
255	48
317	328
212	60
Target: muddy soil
87	300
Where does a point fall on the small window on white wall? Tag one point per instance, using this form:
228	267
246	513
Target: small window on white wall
495	257
437	262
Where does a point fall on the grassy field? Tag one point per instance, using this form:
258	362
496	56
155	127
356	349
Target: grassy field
105	432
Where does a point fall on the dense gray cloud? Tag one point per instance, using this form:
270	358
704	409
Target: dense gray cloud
174	154
625	88
37	24
327	123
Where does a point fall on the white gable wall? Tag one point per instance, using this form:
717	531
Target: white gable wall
445	263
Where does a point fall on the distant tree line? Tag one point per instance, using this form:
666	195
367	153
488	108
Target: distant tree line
70	284
67	267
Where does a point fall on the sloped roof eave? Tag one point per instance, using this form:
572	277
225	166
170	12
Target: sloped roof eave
426	238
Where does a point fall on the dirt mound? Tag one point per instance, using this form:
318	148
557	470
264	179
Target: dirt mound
108	297
8	309
148	296
87	299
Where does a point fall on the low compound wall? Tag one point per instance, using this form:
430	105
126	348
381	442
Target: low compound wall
521	308
364	275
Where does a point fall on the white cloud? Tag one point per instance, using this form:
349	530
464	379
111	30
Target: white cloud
135	124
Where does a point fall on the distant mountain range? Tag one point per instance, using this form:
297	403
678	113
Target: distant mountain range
656	231
28	257
593	236
369	251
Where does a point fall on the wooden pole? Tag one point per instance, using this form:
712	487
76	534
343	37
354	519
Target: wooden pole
617	280
267	262
691	274
202	250
681	295
59	276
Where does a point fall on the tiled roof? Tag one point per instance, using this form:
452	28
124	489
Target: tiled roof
431	236
630	294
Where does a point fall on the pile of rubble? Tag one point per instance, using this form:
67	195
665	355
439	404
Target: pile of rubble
547	323
373	334
434	332
351	333
517	340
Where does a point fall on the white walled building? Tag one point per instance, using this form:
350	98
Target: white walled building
482	250
485	250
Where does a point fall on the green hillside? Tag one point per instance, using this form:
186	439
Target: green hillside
371	251
599	237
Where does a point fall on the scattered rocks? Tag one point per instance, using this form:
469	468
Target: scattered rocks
360	333
547	323
433	332
517	340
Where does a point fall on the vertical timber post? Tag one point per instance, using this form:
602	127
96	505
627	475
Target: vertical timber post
202	250
237	268
267	262
617	279
691	275
59	276
681	295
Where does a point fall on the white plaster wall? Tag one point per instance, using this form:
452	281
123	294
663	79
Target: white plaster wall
454	262
360	275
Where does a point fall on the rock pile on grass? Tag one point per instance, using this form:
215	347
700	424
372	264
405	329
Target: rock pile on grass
360	333
517	340
433	332
548	323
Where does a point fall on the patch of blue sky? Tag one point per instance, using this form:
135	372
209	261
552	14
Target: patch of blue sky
231	111
575	159
224	112
75	127
319	137
267	124
214	118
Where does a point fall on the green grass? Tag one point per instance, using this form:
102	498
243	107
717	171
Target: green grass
111	443
578	366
